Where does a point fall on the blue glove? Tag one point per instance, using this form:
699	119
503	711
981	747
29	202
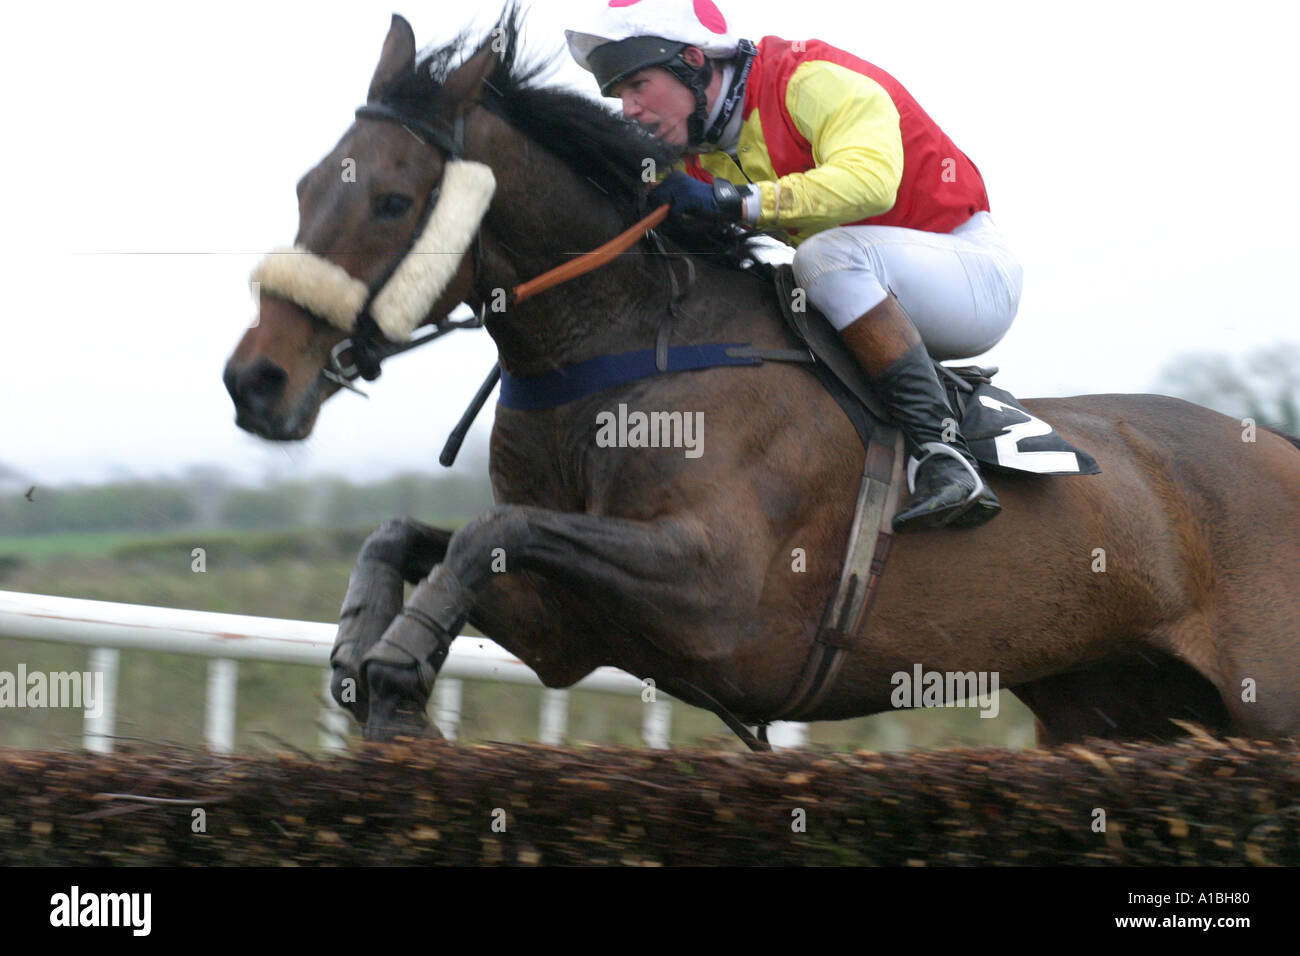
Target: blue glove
685	195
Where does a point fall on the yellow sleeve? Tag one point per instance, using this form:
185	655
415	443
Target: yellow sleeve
857	144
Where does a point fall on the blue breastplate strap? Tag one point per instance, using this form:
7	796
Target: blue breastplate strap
568	384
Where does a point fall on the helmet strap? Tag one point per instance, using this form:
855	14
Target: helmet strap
744	61
697	81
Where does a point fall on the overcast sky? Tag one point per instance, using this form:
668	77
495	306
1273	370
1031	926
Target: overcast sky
1139	158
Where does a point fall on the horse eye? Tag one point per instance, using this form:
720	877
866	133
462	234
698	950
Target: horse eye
392	206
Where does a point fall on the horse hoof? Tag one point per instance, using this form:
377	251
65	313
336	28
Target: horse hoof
397	703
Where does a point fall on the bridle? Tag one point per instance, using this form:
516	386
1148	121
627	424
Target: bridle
366	343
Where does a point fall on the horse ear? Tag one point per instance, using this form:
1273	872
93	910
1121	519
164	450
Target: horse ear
397	59
465	85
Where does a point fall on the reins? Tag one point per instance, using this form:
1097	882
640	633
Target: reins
586	262
589	261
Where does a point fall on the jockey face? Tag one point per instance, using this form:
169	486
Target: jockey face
661	103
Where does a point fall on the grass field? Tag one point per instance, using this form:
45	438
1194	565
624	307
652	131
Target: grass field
303	575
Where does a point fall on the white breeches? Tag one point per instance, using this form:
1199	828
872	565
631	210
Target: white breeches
961	289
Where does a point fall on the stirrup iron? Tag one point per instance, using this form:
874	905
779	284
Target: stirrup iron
940	448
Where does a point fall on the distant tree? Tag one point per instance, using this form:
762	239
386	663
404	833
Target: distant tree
120	506
208	495
278	507
208	486
1264	385
436	496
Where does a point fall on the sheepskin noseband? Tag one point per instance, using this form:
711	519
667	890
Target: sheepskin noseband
328	291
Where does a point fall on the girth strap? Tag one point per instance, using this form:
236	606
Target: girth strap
864	565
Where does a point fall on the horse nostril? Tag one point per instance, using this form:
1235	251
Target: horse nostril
258	386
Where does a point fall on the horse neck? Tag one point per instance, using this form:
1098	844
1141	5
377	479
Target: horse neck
542	215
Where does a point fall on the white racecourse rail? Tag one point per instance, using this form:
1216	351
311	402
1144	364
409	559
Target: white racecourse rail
106	627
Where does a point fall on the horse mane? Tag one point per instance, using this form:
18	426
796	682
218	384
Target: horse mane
599	145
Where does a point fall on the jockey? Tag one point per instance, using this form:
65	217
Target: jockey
829	153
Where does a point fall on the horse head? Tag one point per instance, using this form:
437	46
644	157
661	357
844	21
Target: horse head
457	158
362	211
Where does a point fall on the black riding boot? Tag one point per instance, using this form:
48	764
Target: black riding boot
947	489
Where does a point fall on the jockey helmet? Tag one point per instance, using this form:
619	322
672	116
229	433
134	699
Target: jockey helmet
626	36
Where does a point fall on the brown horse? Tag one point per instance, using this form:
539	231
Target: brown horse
1166	588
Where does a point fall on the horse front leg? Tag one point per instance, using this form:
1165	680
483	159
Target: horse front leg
655	576
400	550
